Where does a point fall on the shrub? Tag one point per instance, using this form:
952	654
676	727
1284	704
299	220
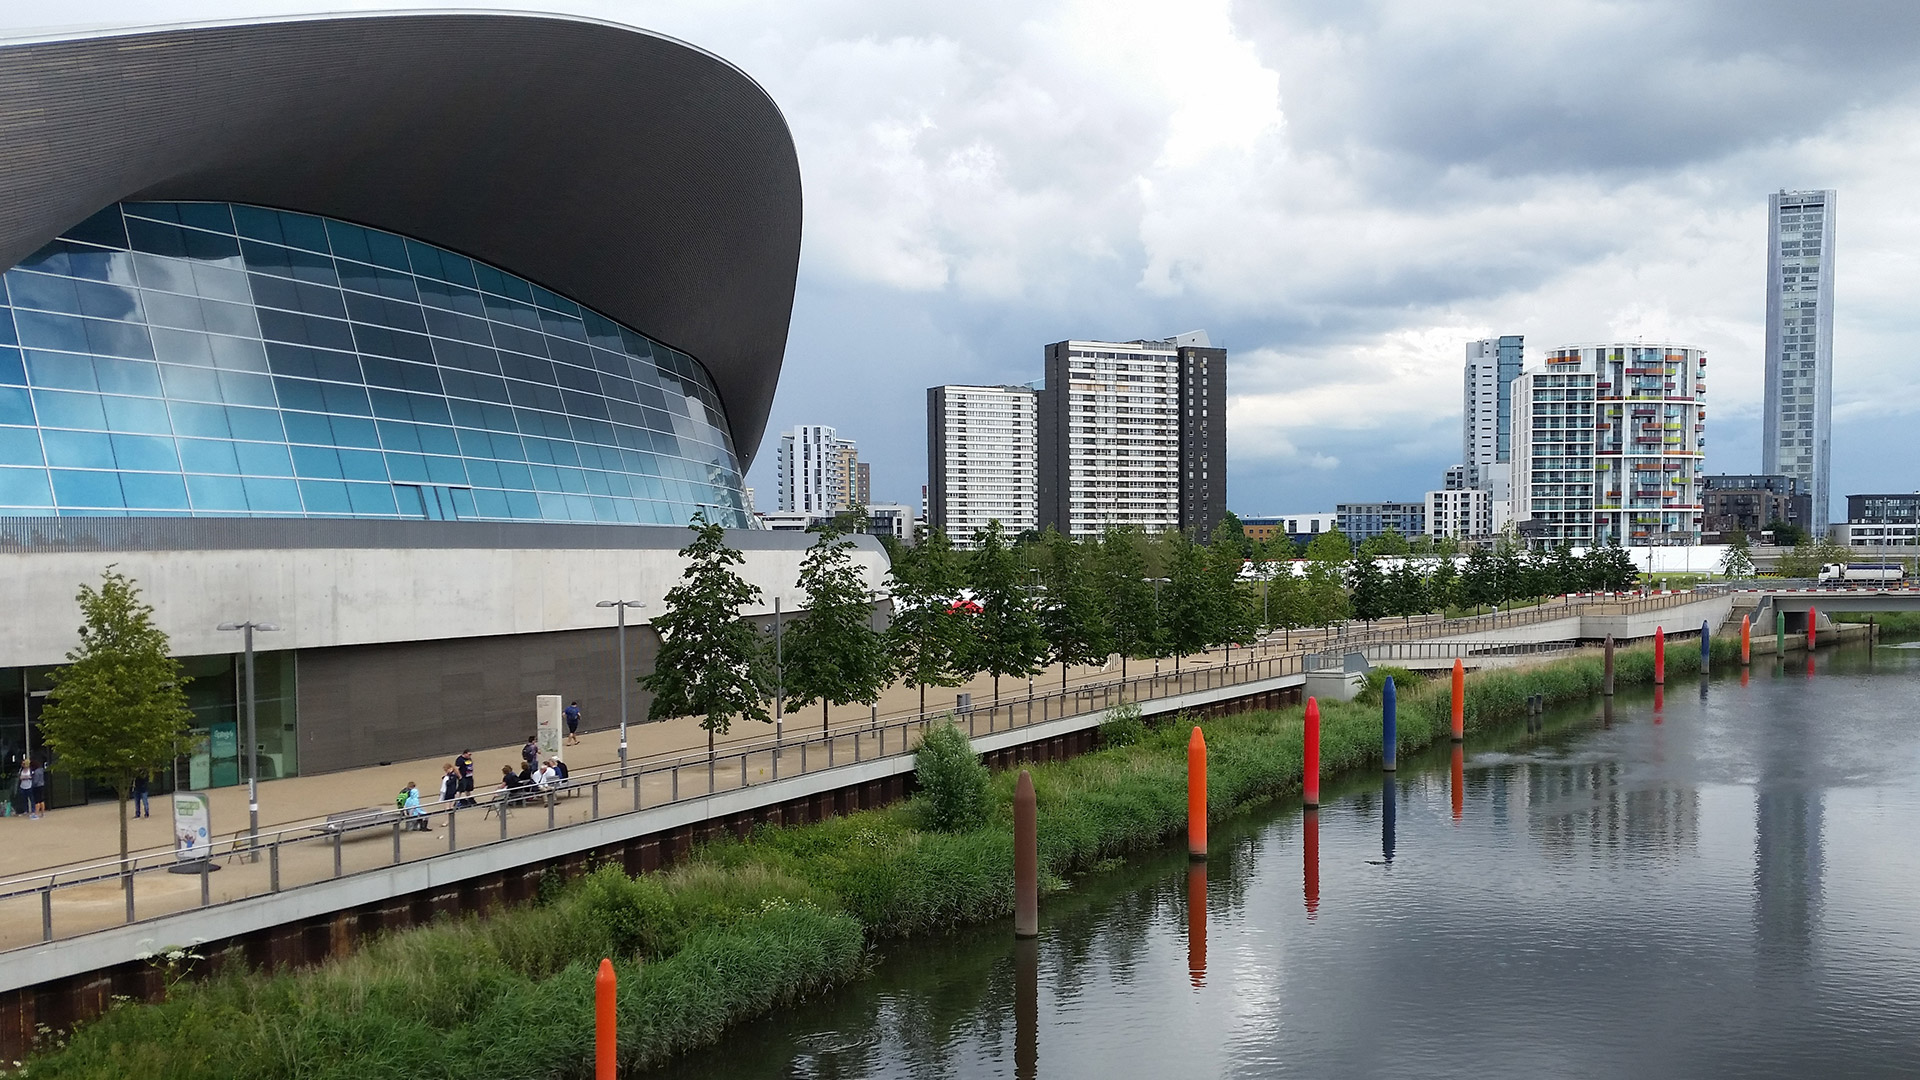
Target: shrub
1122	725
1403	680
953	783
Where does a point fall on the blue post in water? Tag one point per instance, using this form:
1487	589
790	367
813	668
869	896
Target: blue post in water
1389	727
1706	646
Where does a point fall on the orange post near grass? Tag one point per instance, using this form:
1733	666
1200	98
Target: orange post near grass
1310	757
1746	640
1659	655
1459	701
1197	795
605	988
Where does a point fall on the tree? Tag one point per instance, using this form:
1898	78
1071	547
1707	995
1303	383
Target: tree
1007	638
1737	563
1786	535
1389	542
1324	594
119	707
1071	613
1330	546
1280	547
712	663
1443	585
1188	606
1479	583
833	654
928	638
1131	611
1233	613
1611	569
1369	588
1408	589
1234	532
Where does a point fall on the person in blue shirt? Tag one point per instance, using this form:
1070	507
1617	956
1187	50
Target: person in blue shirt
572	714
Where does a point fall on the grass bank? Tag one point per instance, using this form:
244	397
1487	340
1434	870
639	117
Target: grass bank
745	926
1893	624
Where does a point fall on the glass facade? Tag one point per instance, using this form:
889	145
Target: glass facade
223	360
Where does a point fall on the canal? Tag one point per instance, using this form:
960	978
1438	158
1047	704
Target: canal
1720	883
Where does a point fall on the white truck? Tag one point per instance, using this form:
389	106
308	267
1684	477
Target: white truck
1849	573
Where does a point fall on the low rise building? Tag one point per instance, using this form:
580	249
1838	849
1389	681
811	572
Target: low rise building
1460	513
1883	520
1364	521
1749	502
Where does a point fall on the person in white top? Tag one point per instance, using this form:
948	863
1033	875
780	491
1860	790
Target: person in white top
546	777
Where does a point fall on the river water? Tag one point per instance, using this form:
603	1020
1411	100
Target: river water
1720	884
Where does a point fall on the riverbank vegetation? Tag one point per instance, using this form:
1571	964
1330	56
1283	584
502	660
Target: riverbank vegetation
746	926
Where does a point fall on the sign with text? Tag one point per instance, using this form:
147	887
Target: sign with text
192	826
549	730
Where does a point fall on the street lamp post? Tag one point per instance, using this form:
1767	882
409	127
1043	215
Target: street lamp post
253	745
620	608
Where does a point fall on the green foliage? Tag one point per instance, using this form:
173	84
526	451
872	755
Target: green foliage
119	707
712	663
1007	639
1390	542
1073	615
1330	546
1325	594
1369	588
927	638
1233	616
1404	679
1189	608
833	654
1233	532
952	781
1131	614
1786	535
1122	725
1737	563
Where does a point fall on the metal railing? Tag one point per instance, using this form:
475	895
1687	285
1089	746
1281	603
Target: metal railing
1388	651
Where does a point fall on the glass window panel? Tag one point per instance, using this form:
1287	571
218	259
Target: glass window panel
25	487
242	388
379	311
261	424
154	238
449	324
475	444
207	421
348	400
430	409
45	292
190	383
483	472
489	503
407	468
217	493
305	427
626	512
391	404
597	483
106	228
257	223
221	283
396	343
97	490
284	359
512	312
325	497
348	241
445	470
208	456
272	496
43	330
274	292
553	507
463	504
363	465
20	446
141	416
60	409
538	450
148	452
213	216
604	334
399	436
351	431
580	508
316	461
523	505
16	407
545	477
380	282
513	474
573	353
524	341
182	347
304	231
603	510
438	440
126	376
238	354
555	301
209	246
410	500
154	491
371	498
591	406
79	449
263	459
60	371
573	481
564	453
181	312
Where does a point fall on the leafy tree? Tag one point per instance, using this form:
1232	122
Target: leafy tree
1234	532
1509	573
712	663
1479	582
1802	562
955	788
833	654
1569	571
1281	547
1611	569
119	707
1786	535
1737	563
1280	594
1443	585
1007	636
1390	542
1132	614
1408	589
1369	588
1234	617
1420	544
1330	546
928	638
1324	595
1072	614
1446	546
1189	608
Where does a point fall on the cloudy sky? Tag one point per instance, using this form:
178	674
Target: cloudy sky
1343	192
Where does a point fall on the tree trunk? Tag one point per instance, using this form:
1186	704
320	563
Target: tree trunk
823	714
996	688
923	700
126	875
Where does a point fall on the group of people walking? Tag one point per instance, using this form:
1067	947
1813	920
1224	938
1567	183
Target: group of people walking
30	790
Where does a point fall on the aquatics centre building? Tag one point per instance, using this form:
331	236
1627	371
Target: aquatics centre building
414	334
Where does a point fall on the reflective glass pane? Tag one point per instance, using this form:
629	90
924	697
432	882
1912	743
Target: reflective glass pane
208	456
217	493
99	490
154	491
264	459
79	449
136	415
325	497
25	488
272	496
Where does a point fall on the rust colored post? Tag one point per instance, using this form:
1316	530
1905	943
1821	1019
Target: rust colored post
1659	655
605	1065
1197	924
1459	781
1746	640
1026	859
1196	795
1606	685
1310	858
1310	757
1813	623
1459	700
1026	1009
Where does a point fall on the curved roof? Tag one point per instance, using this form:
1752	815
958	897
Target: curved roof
631	172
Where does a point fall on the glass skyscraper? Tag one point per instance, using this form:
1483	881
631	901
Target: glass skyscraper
223	360
1798	411
1487	411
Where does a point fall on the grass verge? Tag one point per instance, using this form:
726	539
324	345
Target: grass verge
747	926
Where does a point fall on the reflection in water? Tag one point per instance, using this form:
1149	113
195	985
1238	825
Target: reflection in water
1459	781
1389	798
1310	859
1026	1008
1789	820
1659	702
1197	924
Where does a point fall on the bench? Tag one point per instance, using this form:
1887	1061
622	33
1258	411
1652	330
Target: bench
368	817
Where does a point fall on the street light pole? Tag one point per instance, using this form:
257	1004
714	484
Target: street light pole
253	744
620	608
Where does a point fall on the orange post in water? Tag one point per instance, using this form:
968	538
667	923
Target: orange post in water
605	985
1026	858
1459	701
1746	640
1659	655
1310	757
1196	795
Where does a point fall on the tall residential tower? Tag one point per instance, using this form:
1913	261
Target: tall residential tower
1798	414
1487	413
980	459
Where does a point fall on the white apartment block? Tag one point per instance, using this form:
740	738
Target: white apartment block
1608	442
1460	513
1797	411
981	460
816	470
1486	447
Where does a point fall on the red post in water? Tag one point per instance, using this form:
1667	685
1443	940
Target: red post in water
1197	924
1196	795
1026	859
1813	623
1459	701
1746	640
1659	655
1659	701
605	985
1459	781
1310	758
1310	857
